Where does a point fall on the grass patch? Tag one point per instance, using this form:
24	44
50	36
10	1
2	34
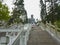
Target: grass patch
58	24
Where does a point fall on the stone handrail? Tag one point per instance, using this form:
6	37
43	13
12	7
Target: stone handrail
11	34
15	42
21	37
53	30
9	30
52	26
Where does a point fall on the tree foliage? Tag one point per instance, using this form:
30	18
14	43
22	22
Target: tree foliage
54	14
19	11
4	13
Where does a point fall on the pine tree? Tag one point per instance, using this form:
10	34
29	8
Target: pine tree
18	11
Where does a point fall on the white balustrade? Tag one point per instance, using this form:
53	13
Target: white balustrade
18	36
23	36
53	30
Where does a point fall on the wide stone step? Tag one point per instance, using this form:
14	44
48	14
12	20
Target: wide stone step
40	37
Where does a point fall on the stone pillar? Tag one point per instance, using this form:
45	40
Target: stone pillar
4	40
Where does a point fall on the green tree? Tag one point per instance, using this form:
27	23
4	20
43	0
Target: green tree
54	15
19	11
4	13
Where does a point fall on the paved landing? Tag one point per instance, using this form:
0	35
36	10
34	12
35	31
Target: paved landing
40	37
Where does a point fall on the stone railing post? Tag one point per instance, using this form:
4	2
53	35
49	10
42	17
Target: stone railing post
4	40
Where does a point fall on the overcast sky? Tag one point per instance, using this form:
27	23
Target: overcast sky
9	4
32	7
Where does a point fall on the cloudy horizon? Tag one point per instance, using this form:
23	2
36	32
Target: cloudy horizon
31	6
